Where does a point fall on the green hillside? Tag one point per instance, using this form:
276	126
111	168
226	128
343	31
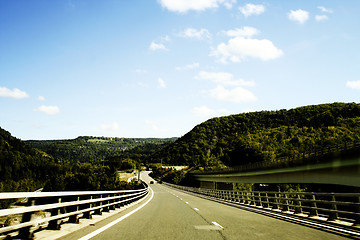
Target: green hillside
264	136
23	168
97	150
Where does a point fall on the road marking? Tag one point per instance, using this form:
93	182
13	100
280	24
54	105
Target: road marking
215	223
208	227
100	230
196	209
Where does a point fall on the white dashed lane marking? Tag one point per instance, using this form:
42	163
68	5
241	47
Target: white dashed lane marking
216	224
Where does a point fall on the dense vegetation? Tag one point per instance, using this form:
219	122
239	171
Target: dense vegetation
100	150
23	168
264	136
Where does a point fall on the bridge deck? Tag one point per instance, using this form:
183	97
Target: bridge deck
172	214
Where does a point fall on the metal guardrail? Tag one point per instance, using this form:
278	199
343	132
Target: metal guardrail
335	207
59	207
296	159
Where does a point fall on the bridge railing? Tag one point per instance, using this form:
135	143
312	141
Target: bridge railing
343	207
50	209
321	154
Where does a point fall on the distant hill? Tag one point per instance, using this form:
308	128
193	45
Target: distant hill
264	136
96	150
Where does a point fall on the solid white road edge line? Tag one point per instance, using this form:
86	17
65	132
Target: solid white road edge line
93	234
215	223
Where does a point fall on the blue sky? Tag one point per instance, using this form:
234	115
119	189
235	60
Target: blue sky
157	68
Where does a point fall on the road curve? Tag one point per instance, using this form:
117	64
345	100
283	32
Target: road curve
172	214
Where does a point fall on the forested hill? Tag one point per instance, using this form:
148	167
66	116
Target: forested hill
95	150
264	136
22	168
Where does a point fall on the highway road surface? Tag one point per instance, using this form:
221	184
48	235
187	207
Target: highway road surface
171	214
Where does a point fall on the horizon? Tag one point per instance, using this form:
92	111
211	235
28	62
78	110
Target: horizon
157	69
167	137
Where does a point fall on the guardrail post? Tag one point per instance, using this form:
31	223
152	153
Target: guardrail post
55	224
112	207
276	201
259	200
75	218
313	209
99	210
242	199
333	214
298	208
237	197
248	198
286	205
267	203
253	199
107	209
357	210
118	205
88	214
26	233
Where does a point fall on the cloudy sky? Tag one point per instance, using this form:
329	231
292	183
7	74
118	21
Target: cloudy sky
157	68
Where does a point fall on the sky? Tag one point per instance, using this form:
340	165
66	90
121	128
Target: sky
158	68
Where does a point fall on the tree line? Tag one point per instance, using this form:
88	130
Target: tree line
100	150
263	136
24	168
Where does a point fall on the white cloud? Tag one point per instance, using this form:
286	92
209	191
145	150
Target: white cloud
246	32
237	94
142	84
323	9
194	33
239	48
252	9
182	6
41	98
161	83
353	84
15	93
49	110
223	78
154	126
321	18
300	16
141	71
157	46
229	3
165	39
204	111
189	66
110	127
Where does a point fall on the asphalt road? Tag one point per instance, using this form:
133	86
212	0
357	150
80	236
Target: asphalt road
172	214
